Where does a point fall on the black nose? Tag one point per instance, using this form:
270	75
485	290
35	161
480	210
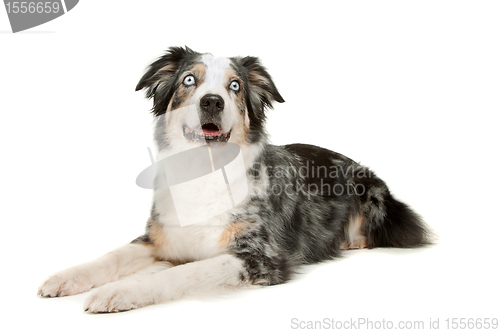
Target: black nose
212	103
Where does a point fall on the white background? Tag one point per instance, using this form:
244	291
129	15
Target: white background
410	89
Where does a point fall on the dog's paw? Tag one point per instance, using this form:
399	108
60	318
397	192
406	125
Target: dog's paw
65	283
116	297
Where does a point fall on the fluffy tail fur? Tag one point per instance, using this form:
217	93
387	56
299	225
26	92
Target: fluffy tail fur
388	222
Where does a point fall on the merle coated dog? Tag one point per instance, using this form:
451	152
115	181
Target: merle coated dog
302	204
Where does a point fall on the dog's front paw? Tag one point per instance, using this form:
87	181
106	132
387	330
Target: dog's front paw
65	283
116	297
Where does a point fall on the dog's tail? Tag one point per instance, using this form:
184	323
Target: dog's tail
387	222
401	227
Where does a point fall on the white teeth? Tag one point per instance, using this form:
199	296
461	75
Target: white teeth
194	135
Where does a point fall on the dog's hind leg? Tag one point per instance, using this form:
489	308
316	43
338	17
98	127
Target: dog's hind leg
354	237
121	262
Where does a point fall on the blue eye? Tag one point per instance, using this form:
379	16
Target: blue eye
235	86
189	80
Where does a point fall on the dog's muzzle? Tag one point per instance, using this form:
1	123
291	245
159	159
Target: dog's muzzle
211	107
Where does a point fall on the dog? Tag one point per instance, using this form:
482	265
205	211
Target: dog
299	204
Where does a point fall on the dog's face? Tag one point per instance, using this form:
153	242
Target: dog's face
202	98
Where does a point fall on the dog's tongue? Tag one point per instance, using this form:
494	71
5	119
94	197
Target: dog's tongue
210	130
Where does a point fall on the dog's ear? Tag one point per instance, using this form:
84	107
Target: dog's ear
262	90
161	77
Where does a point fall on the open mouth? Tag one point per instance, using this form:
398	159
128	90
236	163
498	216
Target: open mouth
208	131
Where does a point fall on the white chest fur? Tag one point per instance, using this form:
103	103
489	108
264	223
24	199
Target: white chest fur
191	243
176	240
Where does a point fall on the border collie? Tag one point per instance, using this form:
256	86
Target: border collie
288	205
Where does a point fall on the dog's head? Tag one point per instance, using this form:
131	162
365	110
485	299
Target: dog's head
200	97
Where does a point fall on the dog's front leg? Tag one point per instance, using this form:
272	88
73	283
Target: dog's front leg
203	275
75	280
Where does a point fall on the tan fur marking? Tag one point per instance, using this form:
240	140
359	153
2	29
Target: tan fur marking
257	78
169	107
168	68
184	93
157	235
199	71
229	76
355	238
158	238
239	134
230	233
357	244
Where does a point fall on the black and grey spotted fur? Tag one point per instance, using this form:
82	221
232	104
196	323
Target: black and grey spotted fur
311	224
291	230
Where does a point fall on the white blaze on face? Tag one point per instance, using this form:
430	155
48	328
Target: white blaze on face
216	81
215	74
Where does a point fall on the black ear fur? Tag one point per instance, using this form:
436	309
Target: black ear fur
260	92
261	82
161	76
